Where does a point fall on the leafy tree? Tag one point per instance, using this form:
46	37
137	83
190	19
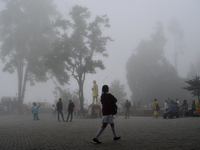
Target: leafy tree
118	91
76	48
26	32
194	86
149	74
192	72
197	64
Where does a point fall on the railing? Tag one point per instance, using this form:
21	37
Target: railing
141	112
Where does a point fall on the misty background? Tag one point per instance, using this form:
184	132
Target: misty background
131	22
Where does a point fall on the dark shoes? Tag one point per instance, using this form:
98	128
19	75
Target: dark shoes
117	138
96	140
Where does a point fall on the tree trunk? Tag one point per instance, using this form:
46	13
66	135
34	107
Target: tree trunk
24	84
81	96
20	77
80	80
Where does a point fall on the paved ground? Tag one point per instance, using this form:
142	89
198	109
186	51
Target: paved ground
138	133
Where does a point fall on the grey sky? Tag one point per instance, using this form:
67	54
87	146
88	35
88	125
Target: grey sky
131	21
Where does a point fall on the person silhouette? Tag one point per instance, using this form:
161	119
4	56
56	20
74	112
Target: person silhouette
107	110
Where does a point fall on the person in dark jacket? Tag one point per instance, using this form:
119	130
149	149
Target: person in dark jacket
176	108
184	106
59	106
193	106
70	110
107	101
127	106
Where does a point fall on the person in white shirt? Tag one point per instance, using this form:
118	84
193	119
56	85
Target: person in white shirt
166	105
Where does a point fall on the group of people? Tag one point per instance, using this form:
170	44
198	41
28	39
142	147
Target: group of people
107	101
174	106
58	108
170	106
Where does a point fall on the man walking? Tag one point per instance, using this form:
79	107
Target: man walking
59	106
127	105
70	110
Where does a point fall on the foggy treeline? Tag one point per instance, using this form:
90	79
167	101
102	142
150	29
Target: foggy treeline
151	76
41	43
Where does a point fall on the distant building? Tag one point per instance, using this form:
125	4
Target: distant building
8	99
11	102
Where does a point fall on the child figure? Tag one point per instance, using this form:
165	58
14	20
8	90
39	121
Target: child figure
26	111
35	111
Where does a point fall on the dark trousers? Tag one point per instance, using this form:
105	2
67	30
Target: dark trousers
60	112
70	113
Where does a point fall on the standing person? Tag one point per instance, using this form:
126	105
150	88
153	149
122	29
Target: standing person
184	107
59	106
35	111
171	105
193	106
150	105
53	111
166	105
107	101
176	108
155	108
127	106
177	101
70	110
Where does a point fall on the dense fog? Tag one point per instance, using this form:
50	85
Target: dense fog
131	22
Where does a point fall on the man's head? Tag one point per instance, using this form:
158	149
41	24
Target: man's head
94	82
70	100
60	99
